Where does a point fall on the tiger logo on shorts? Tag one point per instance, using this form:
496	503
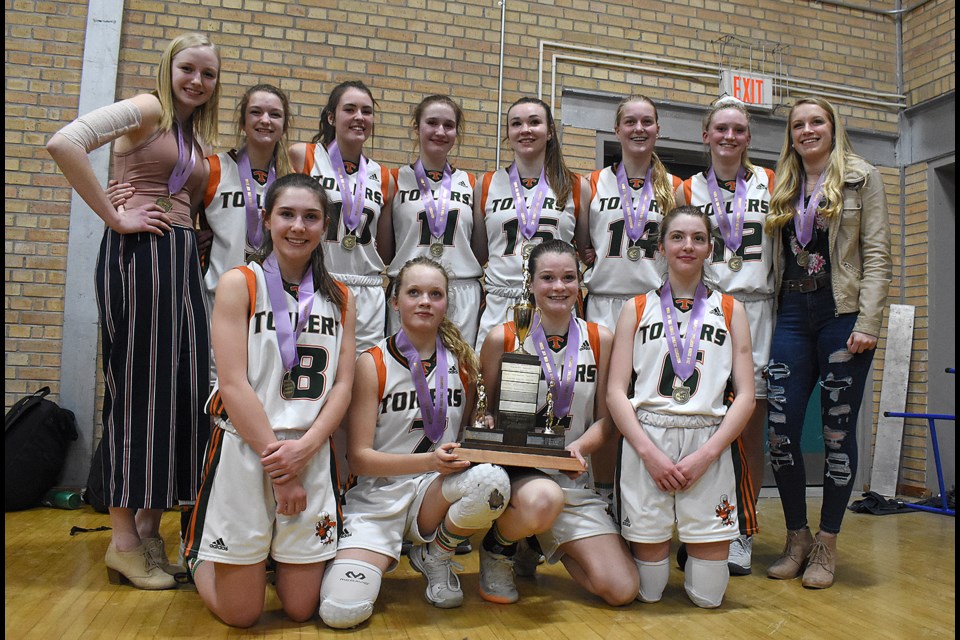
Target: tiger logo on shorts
725	511
325	528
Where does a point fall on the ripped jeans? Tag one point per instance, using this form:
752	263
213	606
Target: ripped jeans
809	350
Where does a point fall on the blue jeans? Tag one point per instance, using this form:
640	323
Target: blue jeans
809	349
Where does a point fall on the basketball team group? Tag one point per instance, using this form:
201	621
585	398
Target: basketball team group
247	332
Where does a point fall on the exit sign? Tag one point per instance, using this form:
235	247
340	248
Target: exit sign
752	89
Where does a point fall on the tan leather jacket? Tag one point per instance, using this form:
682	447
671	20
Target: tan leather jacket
860	262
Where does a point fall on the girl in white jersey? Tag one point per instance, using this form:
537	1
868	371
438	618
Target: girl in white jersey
432	213
411	397
534	199
627	200
741	265
568	520
675	464
283	335
358	189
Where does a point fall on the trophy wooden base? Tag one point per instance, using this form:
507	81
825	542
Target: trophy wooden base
561	460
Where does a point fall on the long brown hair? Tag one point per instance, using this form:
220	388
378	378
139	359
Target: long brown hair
450	336
554	166
323	281
280	158
328	130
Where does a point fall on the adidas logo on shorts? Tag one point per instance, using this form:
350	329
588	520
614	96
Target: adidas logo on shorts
219	545
626	522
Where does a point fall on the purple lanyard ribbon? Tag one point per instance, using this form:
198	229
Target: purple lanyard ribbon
433	410
807	211
529	217
732	232
351	206
287	335
635	217
684	358
436	208
562	381
254	227
184	167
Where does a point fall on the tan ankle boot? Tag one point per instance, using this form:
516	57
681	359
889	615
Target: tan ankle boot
821	563
794	554
158	554
137	568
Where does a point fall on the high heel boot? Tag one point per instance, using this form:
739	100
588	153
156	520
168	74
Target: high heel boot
137	568
794	554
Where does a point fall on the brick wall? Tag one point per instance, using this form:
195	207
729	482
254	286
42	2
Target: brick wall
405	51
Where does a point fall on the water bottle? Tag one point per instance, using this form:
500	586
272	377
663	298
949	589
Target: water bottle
62	499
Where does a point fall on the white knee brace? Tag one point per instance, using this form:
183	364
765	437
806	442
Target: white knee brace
706	581
348	591
479	495
653	579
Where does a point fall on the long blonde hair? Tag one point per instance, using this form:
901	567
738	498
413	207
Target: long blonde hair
790	172
204	116
662	189
450	336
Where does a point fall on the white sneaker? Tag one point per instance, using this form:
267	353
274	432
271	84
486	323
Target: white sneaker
443	585
526	560
741	550
496	578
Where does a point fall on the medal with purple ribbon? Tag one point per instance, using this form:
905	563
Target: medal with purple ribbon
529	217
288	332
561	381
436	209
351	202
254	228
732	231
181	171
803	221
683	357
634	217
433	410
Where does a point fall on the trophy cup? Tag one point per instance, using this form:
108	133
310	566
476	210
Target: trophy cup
515	440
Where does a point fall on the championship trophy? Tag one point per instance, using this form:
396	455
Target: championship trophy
515	439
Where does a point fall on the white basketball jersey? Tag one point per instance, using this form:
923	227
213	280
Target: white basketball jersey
504	240
756	249
363	259
225	211
411	232
399	422
613	273
318	349
655	378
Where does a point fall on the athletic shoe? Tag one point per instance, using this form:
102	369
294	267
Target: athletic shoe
496	578
464	548
741	549
526	560
443	586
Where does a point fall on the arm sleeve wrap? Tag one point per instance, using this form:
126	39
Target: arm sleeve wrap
95	129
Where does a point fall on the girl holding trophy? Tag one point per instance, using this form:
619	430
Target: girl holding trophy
565	517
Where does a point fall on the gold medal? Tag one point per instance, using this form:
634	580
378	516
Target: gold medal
735	263
164	203
526	250
681	395
634	253
349	242
287	387
436	249
803	257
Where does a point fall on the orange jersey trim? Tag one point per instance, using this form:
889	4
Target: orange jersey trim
213	182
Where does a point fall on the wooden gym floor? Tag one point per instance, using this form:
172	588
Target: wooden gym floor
896	579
